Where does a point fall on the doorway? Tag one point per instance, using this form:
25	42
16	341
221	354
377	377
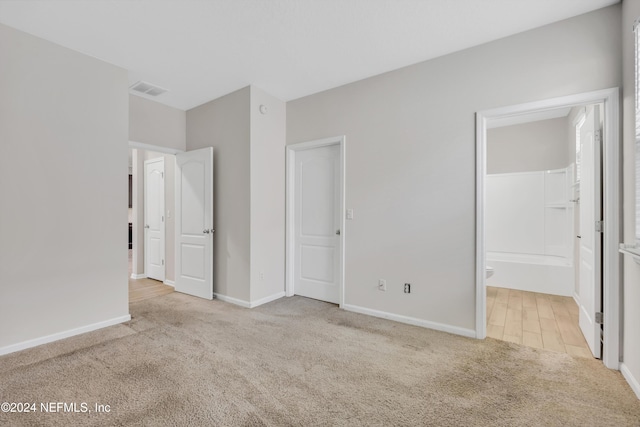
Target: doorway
158	279
315	220
610	227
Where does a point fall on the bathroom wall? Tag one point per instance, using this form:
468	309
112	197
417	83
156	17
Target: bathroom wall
527	147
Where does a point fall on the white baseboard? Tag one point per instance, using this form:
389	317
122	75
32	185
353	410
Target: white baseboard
576	298
248	304
170	283
61	335
236	301
633	382
470	333
267	299
138	276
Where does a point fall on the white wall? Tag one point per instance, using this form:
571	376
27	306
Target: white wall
528	147
63	180
268	135
224	124
631	276
410	156
153	123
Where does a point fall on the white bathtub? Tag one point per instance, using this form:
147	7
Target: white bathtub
535	273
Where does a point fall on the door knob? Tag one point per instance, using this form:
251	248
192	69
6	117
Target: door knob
205	231
338	232
146	226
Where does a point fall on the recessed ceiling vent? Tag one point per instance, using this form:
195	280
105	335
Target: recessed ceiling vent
147	88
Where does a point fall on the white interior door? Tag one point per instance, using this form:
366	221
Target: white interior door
154	219
194	223
317	222
591	240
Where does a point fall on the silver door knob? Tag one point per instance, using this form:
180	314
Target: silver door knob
205	231
338	232
146	226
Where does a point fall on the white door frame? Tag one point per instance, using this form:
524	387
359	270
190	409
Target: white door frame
611	208
290	209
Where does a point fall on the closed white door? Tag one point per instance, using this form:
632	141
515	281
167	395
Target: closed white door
194	223
154	219
317	223
590	240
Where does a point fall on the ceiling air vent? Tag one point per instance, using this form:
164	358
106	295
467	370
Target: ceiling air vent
147	88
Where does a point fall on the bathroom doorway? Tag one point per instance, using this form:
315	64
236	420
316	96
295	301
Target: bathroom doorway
528	226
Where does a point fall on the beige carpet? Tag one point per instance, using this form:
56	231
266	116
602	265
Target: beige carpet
185	361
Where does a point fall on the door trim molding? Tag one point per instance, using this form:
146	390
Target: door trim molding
611	212
291	150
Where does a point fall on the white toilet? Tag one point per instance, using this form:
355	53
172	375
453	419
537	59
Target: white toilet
489	271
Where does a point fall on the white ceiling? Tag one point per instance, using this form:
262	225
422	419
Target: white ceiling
201	50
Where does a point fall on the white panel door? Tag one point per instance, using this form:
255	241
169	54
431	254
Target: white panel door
154	219
317	223
590	240
194	223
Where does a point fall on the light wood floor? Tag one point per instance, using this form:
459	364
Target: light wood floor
535	320
141	289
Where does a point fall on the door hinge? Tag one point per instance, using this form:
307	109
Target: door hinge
162	218
599	317
162	262
599	226
161	174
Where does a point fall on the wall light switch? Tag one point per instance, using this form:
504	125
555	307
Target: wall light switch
349	213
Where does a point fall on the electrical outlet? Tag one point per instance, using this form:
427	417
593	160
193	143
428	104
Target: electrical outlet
382	285
407	288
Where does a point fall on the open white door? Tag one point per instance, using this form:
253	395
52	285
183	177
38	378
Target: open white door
194	223
154	219
591	239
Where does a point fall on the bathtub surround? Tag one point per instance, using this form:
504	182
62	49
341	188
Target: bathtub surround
529	230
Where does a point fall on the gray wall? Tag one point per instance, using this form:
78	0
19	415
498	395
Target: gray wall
268	135
528	147
225	125
248	190
153	123
410	156
631	275
63	180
